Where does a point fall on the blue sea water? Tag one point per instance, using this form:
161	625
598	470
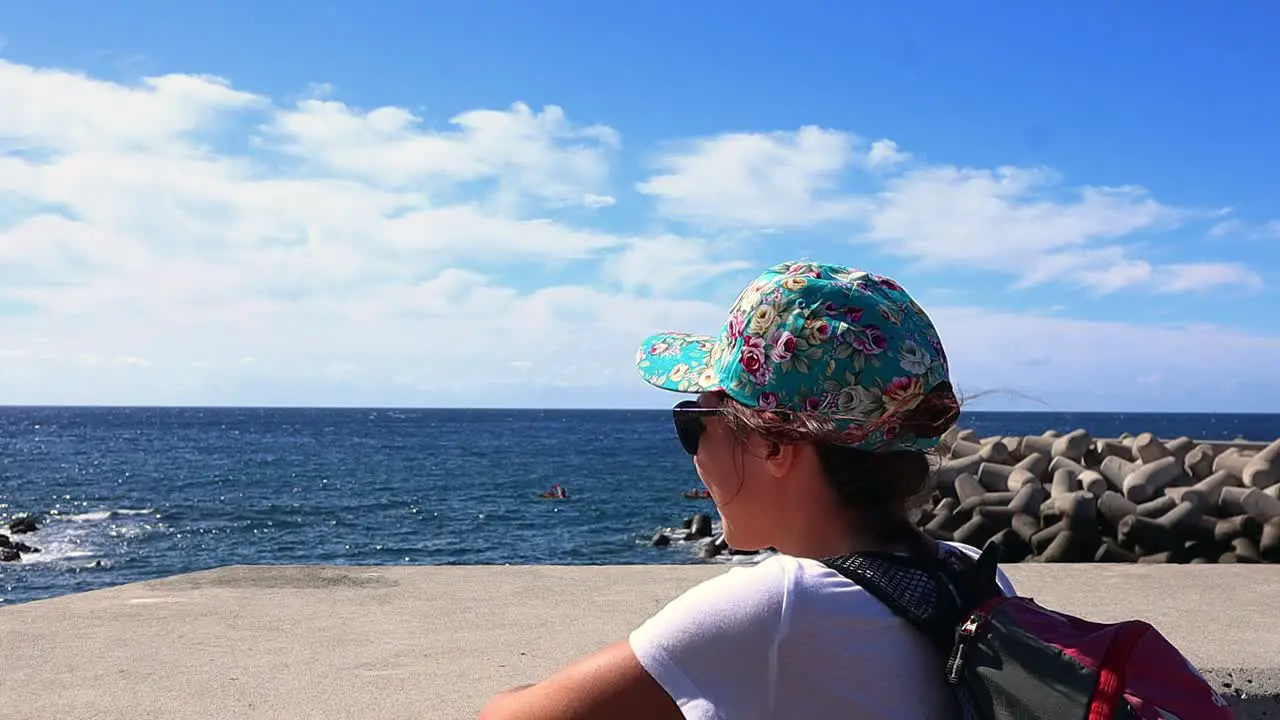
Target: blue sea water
130	494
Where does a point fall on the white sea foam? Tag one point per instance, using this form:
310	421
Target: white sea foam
84	537
101	515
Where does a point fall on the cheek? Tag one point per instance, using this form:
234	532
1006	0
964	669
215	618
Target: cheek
724	467
714	461
710	468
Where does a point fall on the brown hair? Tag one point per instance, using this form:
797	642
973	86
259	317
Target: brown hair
878	488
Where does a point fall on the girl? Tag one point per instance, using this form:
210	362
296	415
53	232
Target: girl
816	407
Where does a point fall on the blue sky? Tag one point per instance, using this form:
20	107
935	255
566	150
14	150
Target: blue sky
1084	195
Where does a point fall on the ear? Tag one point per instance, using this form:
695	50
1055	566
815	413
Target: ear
779	457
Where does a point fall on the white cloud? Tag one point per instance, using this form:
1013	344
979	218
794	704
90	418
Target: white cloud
1186	277
1238	228
756	180
122	192
766	180
1017	221
457	331
592	200
1226	227
885	153
150	230
668	263
949	213
1073	364
179	240
541	153
60	110
1109	269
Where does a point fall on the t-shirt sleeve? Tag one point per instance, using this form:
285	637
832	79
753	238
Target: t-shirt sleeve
714	648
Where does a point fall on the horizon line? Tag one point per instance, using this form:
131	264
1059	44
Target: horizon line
498	408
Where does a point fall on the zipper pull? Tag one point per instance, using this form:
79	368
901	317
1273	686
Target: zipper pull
965	634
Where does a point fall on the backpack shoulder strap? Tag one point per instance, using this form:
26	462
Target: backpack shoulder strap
933	594
911	589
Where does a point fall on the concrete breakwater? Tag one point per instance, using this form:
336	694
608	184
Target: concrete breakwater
392	642
1072	498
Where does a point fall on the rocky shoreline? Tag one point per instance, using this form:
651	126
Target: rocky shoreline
1072	498
12	550
698	528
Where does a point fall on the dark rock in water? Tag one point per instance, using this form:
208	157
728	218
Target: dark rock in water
25	548
686	524
8	554
699	527
722	547
660	540
5	541
24	524
708	549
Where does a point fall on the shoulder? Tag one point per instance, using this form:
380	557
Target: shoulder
831	616
817	590
742	599
709	647
822	596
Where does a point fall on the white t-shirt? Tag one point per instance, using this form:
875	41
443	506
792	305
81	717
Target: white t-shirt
791	638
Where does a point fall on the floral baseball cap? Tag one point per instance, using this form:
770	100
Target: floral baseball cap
845	344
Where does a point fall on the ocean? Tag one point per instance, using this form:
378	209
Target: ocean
128	494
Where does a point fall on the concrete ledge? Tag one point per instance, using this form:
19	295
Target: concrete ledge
434	642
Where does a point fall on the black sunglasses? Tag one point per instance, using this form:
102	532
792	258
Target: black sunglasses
687	416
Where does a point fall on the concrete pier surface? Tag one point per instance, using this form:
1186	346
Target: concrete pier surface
325	642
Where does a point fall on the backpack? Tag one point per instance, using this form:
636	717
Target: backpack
1008	658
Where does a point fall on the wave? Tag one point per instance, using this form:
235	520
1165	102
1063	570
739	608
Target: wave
100	515
70	540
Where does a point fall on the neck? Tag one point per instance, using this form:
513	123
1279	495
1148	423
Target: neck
811	520
834	531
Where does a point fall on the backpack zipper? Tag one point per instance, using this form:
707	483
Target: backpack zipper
966	635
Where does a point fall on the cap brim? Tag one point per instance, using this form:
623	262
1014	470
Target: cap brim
678	362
